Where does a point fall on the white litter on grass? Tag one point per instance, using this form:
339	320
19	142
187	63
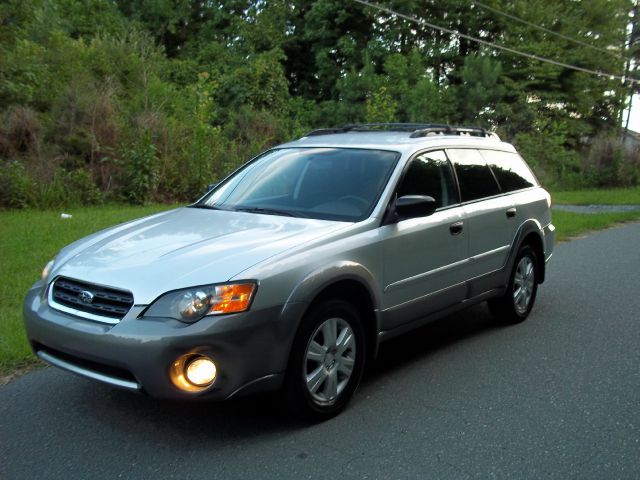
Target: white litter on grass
65	215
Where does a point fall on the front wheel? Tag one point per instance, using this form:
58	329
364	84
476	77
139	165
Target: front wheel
518	300
327	360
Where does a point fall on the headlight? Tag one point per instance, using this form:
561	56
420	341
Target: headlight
190	305
47	270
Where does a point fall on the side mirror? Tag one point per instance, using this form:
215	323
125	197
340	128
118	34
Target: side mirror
211	186
412	206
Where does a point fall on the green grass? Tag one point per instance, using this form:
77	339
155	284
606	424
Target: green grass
28	240
615	196
569	224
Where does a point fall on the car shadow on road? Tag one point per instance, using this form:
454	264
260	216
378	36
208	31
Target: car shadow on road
419	344
263	415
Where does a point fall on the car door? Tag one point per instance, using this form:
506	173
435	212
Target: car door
423	257
489	217
514	177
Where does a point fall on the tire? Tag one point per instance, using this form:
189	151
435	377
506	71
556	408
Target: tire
516	304
326	362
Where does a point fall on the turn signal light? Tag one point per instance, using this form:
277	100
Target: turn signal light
232	298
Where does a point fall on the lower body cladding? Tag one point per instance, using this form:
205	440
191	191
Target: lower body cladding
250	350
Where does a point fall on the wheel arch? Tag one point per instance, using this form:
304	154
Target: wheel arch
535	241
530	233
348	281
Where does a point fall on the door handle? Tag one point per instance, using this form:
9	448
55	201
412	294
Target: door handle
511	212
456	228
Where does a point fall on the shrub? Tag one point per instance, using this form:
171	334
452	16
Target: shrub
20	132
16	186
141	171
608	164
81	189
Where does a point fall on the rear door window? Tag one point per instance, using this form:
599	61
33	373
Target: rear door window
474	175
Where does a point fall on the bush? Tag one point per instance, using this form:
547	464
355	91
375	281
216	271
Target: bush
141	171
20	132
81	190
608	164
18	189
16	186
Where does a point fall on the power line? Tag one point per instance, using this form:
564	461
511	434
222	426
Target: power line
531	56
544	29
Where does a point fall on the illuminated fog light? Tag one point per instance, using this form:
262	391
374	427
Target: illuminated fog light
193	372
201	371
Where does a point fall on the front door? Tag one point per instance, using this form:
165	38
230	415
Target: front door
424	258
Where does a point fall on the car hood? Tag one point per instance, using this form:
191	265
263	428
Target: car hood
183	248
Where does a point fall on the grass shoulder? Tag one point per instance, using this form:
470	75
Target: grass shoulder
613	196
28	240
570	225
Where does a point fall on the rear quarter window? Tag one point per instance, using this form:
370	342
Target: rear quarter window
510	170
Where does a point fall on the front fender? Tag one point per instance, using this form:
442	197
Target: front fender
322	279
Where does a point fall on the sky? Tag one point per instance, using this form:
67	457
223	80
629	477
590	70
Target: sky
634	121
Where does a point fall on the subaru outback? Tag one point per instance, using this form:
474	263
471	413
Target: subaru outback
289	273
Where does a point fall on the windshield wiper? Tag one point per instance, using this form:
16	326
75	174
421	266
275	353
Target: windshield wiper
204	205
266	211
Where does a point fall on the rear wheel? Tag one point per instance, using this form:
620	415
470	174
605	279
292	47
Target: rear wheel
518	300
327	360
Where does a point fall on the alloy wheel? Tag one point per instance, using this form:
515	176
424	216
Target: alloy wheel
523	284
329	360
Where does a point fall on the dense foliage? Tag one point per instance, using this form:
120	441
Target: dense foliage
142	100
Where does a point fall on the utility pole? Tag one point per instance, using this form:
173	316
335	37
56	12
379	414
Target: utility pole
633	51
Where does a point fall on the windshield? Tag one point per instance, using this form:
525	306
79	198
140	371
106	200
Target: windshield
322	183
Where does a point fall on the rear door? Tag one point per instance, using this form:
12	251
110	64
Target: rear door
488	212
514	177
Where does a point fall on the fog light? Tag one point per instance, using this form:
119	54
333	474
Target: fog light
200	371
193	372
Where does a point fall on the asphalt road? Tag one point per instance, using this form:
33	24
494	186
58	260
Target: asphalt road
555	397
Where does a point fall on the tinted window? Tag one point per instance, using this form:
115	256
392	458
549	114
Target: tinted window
474	176
430	174
510	170
323	183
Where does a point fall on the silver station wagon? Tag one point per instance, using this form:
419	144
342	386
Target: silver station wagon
290	272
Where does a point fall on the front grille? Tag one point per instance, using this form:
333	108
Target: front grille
101	301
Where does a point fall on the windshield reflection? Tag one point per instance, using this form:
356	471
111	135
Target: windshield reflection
322	183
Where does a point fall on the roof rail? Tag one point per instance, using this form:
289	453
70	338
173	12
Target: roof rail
451	130
367	127
328	131
416	129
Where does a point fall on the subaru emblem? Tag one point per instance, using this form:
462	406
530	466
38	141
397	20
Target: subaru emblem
85	296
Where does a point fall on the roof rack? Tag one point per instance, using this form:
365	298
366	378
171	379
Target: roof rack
417	129
452	130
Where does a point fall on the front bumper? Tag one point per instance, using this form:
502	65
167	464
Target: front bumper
250	349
